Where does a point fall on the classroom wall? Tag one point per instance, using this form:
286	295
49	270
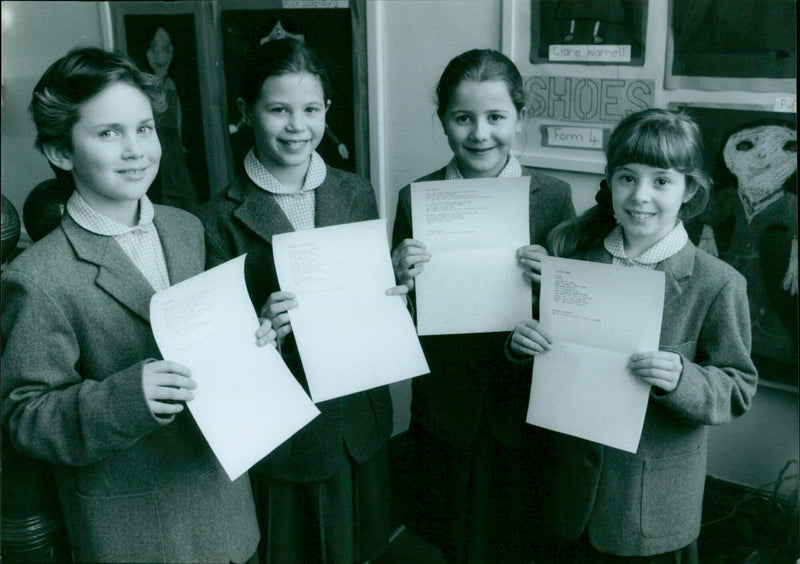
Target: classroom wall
34	34
410	42
413	42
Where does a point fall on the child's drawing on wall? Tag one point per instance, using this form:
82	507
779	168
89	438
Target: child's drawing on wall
751	223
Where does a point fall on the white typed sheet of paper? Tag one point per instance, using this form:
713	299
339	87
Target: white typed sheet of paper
351	336
598	316
473	282
247	402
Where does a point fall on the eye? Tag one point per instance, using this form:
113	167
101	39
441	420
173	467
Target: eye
312	109
145	129
463	119
662	181
496	117
744	145
279	110
790	146
626	178
107	134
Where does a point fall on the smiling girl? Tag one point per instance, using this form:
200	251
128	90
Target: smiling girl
323	495
473	490
612	506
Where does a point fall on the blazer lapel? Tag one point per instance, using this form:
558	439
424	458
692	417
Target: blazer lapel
333	205
677	268
258	211
116	274
184	259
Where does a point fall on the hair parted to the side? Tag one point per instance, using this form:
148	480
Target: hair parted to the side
277	57
479	65
75	79
654	137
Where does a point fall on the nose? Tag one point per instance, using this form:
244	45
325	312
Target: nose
480	130
131	147
641	192
296	121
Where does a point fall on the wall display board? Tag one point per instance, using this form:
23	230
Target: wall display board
588	64
210	41
751	222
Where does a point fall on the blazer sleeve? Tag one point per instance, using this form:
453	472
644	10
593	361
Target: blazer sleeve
720	383
49	410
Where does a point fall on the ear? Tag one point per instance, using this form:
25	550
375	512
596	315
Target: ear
58	156
691	190
240	103
522	115
327	105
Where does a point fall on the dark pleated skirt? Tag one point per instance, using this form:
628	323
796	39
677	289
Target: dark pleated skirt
581	552
342	520
479	504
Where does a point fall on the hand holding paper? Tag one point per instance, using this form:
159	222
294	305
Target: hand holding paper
472	229
598	316
246	402
351	335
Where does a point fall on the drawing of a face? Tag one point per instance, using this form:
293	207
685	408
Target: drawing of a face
762	158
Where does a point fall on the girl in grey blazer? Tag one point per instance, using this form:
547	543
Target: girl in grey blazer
611	505
82	387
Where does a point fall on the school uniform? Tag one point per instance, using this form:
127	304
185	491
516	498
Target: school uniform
471	485
76	333
650	503
340	456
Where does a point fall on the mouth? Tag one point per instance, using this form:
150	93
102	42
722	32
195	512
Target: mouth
640	216
478	150
294	145
759	170
133	173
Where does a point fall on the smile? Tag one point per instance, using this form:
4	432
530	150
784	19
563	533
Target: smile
640	216
479	150
294	145
133	172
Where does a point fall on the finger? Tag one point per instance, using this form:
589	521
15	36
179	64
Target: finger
536	333
276	308
412	244
159	408
531	341
400	290
168	366
533	276
170	393
175	381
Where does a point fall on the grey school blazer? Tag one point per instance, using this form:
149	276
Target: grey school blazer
242	219
651	502
76	332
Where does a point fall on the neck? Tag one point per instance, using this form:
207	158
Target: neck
293	177
125	212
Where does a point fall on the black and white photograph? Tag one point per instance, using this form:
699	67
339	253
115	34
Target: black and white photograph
399	282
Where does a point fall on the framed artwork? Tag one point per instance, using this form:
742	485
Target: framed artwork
166	39
595	32
336	30
751	222
732	45
208	42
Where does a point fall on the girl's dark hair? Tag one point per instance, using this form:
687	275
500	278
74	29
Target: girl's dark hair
479	65
653	137
277	57
75	79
